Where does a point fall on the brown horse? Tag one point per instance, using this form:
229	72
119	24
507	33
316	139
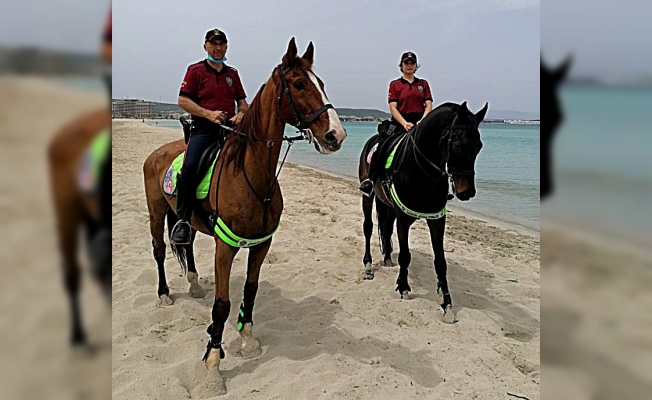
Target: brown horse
250	200
75	208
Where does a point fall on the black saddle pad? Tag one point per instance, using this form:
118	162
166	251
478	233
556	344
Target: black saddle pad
385	146
207	158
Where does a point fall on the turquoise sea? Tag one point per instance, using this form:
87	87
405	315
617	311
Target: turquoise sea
603	166
507	168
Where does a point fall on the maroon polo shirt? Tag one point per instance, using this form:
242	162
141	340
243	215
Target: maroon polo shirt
411	97
211	89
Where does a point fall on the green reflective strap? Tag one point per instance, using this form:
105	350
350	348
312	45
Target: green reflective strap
240	326
234	240
391	155
415	214
100	150
224	235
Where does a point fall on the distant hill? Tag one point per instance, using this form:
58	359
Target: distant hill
166	108
510	114
362	112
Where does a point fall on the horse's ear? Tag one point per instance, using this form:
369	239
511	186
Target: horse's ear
560	73
464	107
479	116
309	54
291	54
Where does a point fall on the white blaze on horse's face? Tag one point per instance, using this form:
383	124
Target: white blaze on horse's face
332	140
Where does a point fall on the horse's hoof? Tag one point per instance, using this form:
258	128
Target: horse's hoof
388	263
405	295
210	386
250	347
78	339
449	316
368	272
197	291
164	300
250	350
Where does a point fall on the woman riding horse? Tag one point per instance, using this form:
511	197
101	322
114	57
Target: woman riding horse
414	185
410	100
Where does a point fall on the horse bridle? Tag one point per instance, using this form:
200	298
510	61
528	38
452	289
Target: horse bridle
447	170
300	122
449	132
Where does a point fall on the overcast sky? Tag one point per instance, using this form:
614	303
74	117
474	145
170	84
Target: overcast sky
468	50
73	25
606	38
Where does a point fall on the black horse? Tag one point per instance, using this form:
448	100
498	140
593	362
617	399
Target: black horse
550	81
444	145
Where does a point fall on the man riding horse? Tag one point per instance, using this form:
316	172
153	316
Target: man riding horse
208	92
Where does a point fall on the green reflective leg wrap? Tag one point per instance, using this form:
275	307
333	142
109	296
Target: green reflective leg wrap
244	316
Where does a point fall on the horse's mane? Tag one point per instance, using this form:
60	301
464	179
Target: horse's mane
235	146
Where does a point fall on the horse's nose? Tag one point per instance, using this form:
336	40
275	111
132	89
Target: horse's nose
330	137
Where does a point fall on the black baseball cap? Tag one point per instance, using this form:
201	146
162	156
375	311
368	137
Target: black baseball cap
215	34
409	56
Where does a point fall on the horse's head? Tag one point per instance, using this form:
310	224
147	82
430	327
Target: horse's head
302	101
550	81
460	145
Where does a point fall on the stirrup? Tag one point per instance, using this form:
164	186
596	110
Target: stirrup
178	226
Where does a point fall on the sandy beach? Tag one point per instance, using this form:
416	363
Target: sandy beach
34	327
325	332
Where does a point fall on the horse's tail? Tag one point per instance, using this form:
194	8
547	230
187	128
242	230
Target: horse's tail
380	238
179	251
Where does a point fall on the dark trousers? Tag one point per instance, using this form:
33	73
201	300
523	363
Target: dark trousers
198	143
105	192
380	150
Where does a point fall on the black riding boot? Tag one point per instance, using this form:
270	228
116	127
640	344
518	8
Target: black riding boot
366	187
181	232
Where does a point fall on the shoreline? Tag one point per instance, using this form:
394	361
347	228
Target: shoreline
453	208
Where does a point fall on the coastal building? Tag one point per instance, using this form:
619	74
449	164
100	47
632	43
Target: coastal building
132	108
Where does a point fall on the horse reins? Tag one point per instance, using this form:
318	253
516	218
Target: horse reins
302	126
446	171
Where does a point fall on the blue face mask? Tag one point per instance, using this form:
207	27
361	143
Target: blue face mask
220	61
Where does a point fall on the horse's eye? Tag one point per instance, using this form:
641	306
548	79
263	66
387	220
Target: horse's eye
456	148
298	85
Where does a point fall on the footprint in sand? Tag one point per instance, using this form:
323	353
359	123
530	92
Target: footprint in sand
275	258
146	278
